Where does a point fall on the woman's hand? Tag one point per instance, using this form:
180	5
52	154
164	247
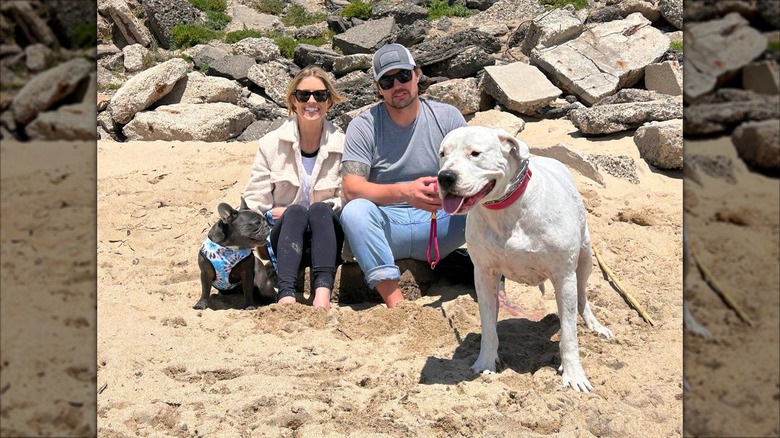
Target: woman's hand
277	212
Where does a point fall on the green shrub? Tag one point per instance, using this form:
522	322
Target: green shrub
273	7
676	45
286	45
238	35
773	45
217	20
553	4
357	8
188	35
84	35
298	16
442	8
210	5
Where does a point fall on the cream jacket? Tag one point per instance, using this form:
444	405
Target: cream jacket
275	180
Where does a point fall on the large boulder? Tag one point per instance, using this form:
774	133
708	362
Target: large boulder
526	96
145	88
165	14
608	57
49	88
190	122
661	143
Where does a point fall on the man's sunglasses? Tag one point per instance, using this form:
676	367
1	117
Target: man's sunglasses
386	82
303	96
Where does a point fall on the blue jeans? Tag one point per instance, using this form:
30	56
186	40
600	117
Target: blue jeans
378	236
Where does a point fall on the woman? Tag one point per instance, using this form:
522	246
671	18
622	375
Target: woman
296	182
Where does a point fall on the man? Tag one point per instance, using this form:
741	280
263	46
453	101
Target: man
389	170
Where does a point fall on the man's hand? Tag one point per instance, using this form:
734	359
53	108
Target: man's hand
423	194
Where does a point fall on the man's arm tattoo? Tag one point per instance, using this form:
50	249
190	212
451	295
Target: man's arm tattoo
355	168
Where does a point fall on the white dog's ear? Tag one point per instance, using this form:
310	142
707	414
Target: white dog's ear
515	146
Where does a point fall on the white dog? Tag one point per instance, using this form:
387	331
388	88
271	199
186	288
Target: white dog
526	221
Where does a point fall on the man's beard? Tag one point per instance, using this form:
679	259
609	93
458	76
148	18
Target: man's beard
403	103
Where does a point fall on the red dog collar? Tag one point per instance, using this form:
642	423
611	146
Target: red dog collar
509	199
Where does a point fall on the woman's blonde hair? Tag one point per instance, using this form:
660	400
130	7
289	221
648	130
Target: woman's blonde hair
309	71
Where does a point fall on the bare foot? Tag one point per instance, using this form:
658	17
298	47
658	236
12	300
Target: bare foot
321	298
287	300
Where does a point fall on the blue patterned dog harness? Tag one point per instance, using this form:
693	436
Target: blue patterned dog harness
223	259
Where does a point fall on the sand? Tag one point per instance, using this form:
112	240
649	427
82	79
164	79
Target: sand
363	369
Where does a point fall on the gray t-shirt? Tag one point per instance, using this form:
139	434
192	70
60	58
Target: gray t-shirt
400	154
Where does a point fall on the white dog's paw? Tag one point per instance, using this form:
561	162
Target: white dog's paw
486	365
574	376
607	333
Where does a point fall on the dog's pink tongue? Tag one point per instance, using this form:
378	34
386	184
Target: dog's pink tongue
452	203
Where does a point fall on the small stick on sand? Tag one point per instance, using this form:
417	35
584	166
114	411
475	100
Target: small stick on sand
719	290
621	289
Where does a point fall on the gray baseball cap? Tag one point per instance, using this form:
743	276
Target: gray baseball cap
390	57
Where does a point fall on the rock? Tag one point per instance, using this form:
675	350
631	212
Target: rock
259	128
35	30
665	77
199	88
727	108
661	143
615	117
441	48
572	159
306	54
67	15
128	24
36	56
716	48
68	122
261	49
464	64
550	29
189	122
346	64
526	96
366	38
608	57
245	17
672	11
274	78
232	67
134	57
204	55
48	88
163	15
769	10
145	88
498	119
460	93
761	77
758	143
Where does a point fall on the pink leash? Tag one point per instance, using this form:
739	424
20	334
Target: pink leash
433	241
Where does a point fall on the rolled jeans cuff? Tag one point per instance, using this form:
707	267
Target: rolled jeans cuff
381	273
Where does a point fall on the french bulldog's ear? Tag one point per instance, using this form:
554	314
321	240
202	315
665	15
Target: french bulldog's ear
515	146
226	213
243	205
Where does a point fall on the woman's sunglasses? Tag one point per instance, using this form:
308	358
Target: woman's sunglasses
386	82
303	96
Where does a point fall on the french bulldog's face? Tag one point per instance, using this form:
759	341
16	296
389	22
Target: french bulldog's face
240	228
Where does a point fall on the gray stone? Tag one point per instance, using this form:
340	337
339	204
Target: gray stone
464	64
262	108
718	47
727	108
769	10
366	38
526	96
145	88
258	129
463	94
665	77
761	77
29	22
189	122
199	88
134	57
758	143
498	119
48	88
261	49
306	54
441	48
68	122
550	29
608	57
273	77
128	24
346	64
35	56
607	119
232	67
672	11
661	143
163	15
404	13
572	159
245	17
203	55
